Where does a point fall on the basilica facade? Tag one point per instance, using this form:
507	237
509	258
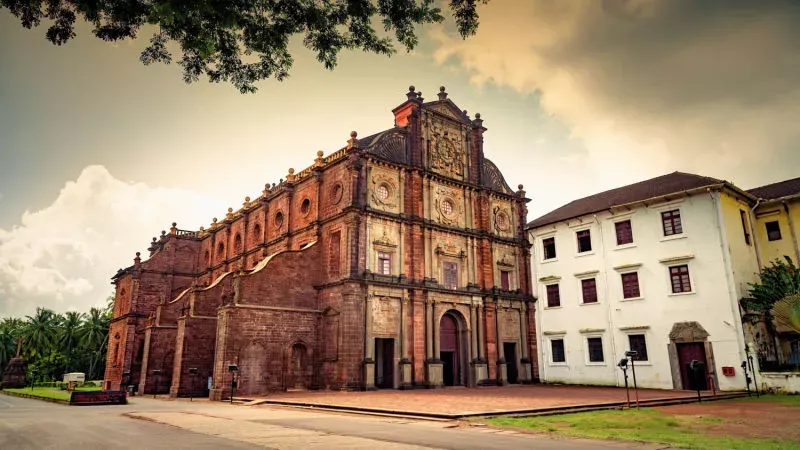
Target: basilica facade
399	261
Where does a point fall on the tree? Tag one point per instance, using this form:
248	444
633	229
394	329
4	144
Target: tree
10	330
40	333
244	41
69	334
94	337
776	282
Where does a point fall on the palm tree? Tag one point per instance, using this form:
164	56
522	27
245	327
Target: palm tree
40	332
10	329
70	334
94	336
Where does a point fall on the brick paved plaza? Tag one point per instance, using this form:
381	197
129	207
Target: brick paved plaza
475	400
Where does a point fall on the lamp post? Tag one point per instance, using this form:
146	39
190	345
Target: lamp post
747	379
623	364
632	354
193	372
234	370
753	370
156	373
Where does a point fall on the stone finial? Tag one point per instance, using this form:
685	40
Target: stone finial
163	234
319	161
247	199
154	239
291	176
352	142
521	191
478	122
202	229
442	93
465	113
411	94
419	97
246	203
174	228
229	214
137	260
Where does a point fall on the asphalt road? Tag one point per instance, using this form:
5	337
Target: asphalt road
26	423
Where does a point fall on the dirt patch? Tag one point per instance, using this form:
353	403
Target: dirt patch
747	419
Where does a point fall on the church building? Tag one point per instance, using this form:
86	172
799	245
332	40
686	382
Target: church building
399	261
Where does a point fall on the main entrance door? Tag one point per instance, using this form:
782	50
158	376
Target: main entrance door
510	352
449	351
384	363
686	353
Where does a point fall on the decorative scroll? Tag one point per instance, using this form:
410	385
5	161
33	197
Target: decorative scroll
446	148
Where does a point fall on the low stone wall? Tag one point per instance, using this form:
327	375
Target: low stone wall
784	382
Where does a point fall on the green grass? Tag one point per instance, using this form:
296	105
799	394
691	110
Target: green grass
52	393
644	425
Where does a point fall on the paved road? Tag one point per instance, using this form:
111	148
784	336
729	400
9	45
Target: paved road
26	423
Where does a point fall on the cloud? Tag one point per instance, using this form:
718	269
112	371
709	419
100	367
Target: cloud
63	256
648	86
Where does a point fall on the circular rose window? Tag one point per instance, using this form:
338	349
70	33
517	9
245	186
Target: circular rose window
336	193
383	192
305	207
447	207
279	219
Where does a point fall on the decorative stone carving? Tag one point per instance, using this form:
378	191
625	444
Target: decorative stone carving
385	240
447	111
448	206
688	332
446	148
502	219
506	260
383	191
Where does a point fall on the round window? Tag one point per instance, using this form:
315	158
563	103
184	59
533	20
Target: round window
447	207
279	219
336	193
383	192
305	207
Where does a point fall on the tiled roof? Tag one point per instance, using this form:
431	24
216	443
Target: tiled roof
643	190
777	190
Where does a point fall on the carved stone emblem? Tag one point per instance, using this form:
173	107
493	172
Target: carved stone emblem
502	220
384	191
449	209
446	149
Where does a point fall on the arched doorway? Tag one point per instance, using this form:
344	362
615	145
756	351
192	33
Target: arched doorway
297	367
252	370
452	350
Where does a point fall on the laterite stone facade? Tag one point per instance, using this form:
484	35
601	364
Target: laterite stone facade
398	261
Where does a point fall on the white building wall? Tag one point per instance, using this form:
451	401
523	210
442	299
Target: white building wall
613	318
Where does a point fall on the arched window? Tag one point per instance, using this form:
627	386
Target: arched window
257	233
305	207
207	257
221	249
237	243
278	219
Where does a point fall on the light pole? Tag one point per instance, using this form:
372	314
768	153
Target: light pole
193	372
234	370
156	373
623	364
632	354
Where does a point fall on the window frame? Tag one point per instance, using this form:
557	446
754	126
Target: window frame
646	350
382	256
587	347
630	232
578	238
638	285
680	279
454	271
672	219
583	291
563	340
748	238
547	294
505	284
770	233
544	249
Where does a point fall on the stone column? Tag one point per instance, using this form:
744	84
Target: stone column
437	341
369	347
473	323
405	362
433	364
481	331
502	366
428	329
526	360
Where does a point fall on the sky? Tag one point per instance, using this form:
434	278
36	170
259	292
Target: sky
98	153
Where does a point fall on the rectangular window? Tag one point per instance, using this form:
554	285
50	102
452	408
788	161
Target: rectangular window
743	216
589	288
553	296
680	279
671	221
505	280
773	231
557	347
384	263
450	270
595	349
637	343
624	232
630	285
549	246
584	241
335	254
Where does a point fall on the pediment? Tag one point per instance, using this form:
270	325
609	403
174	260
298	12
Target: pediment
449	109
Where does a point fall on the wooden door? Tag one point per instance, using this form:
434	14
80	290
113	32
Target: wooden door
448	332
686	353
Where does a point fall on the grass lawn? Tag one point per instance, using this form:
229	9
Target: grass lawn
46	392
650	425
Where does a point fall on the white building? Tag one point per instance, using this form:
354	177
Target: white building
657	267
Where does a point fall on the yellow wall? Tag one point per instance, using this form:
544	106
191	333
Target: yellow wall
771	250
743	255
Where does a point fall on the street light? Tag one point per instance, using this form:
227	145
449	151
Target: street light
234	370
632	354
156	373
623	364
193	372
